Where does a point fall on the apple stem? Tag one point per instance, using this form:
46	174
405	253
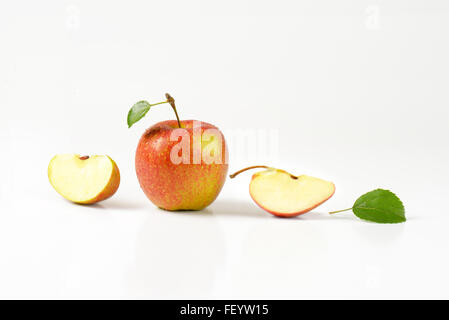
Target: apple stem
171	101
332	212
254	167
243	170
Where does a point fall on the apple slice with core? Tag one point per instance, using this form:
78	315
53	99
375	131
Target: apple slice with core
285	195
84	180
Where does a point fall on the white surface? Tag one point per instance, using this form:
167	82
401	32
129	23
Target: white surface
354	92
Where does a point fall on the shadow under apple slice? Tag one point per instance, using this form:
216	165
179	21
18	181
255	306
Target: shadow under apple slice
116	204
228	207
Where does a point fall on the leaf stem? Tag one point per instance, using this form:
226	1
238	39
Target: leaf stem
332	212
155	104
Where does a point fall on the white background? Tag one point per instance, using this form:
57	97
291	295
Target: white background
356	92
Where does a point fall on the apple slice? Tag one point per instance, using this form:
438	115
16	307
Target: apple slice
85	179
285	195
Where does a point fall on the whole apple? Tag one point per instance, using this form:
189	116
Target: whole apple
182	165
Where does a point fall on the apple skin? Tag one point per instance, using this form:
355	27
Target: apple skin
110	189
287	215
177	186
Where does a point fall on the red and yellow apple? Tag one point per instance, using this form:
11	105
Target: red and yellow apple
182	165
84	180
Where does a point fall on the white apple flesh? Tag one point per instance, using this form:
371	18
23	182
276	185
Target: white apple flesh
284	195
84	180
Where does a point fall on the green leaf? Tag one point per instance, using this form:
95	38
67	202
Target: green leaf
137	112
381	206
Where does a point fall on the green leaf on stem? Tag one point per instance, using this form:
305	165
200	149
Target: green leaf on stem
381	206
137	112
